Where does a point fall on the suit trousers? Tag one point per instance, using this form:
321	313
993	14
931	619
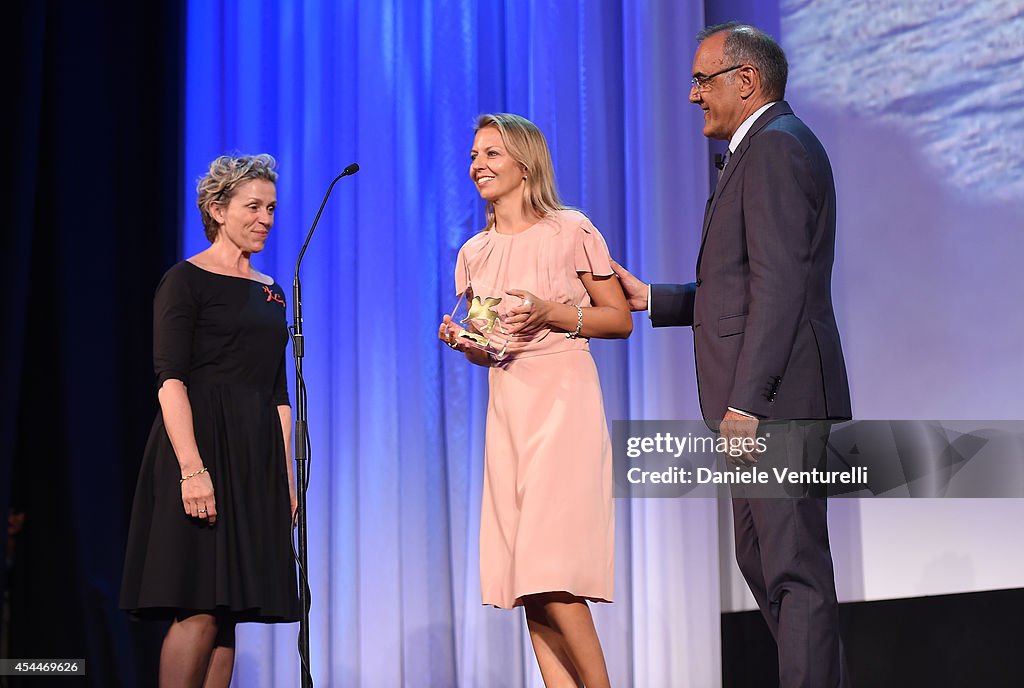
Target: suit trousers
782	549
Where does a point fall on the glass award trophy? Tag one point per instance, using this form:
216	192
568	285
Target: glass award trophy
481	326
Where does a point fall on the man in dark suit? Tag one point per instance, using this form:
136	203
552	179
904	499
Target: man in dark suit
765	337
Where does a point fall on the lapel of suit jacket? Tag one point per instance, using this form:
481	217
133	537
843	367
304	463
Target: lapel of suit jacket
780	108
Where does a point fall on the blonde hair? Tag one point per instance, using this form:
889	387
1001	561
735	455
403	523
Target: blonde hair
528	147
219	184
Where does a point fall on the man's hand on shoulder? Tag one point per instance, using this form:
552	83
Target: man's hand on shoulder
636	291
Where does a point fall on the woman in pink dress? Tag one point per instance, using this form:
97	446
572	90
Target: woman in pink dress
547	520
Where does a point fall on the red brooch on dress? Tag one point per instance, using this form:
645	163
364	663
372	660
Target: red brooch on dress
273	295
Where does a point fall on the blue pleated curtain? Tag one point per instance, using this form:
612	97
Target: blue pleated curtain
396	419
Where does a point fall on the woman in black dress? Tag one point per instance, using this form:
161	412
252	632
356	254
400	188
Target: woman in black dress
210	538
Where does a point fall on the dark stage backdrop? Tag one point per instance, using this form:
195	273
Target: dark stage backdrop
93	223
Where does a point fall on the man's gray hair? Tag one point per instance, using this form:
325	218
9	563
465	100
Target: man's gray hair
746	44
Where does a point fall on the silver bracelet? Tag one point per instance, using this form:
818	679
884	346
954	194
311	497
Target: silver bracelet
579	324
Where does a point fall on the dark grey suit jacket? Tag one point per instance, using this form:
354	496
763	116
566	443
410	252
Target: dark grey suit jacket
765	334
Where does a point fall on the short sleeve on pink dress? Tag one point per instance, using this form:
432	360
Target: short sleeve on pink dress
461	272
471	255
591	251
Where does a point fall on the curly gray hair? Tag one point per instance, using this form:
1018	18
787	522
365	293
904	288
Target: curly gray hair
219	184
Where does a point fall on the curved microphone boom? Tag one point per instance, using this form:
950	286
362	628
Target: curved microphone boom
348	171
302	443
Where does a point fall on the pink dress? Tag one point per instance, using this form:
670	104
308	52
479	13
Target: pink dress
547	518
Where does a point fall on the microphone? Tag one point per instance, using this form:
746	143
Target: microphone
301	437
297	338
719	161
348	171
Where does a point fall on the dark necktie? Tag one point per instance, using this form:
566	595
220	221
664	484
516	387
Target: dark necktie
725	162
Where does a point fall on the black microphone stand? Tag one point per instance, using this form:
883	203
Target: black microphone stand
302	443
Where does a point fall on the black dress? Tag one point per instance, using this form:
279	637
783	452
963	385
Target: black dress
224	337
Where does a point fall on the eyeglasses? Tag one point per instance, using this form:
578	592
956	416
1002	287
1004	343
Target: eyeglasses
702	83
